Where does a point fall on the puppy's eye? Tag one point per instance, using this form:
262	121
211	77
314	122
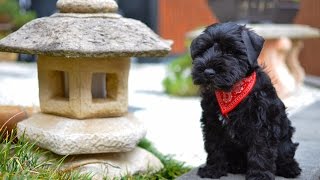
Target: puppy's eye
211	63
200	67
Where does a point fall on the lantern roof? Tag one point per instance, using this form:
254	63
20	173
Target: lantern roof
86	29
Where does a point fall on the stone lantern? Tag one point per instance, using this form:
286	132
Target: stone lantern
83	66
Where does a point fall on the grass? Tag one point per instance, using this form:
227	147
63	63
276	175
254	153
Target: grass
172	168
20	159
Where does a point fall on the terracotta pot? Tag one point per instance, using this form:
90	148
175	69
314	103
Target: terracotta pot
4	18
11	115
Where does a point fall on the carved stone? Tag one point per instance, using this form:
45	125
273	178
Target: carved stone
66	136
65	86
87	6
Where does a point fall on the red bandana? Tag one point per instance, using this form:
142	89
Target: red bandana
230	100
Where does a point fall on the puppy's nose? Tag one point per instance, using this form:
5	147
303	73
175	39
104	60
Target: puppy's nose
209	73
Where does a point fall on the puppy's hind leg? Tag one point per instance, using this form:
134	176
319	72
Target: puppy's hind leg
287	166
261	160
237	161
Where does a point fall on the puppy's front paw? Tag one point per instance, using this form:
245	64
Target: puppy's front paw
211	172
236	169
260	175
289	170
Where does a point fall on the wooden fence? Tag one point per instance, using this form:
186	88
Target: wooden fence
310	57
177	17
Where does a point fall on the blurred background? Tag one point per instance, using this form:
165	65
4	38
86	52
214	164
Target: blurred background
168	89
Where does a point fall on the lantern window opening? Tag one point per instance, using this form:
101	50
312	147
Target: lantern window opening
60	85
104	86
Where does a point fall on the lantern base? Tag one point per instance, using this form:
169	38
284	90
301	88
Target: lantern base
65	136
113	165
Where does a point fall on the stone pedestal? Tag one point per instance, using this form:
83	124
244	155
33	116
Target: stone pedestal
273	59
280	54
280	58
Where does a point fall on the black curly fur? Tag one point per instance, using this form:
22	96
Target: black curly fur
257	139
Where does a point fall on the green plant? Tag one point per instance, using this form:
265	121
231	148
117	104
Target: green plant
16	15
20	159
172	168
179	81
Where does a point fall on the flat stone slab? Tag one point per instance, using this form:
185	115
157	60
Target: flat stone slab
292	31
275	31
113	165
66	136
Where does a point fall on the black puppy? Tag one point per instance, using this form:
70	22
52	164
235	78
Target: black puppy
245	126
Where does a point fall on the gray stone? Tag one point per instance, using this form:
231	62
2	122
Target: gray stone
87	6
114	164
192	175
312	80
308	153
66	136
307	174
307	134
85	37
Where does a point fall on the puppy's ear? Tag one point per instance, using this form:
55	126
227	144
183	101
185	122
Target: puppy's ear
254	44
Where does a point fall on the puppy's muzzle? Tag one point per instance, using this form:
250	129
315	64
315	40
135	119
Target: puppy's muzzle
209	73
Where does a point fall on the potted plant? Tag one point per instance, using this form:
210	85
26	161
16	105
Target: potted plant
178	81
10	13
255	11
11	19
4	18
